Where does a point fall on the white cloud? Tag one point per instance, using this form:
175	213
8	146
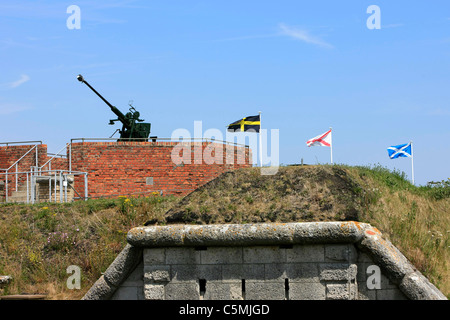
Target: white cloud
283	31
302	35
23	78
9	108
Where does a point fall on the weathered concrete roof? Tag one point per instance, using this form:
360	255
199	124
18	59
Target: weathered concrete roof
246	234
367	238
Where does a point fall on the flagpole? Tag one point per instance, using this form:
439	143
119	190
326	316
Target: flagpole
412	162
260	141
331	146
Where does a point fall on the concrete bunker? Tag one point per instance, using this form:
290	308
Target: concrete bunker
270	261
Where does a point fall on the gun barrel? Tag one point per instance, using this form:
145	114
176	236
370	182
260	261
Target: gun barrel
119	114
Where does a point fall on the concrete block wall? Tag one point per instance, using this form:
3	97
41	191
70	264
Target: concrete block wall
271	261
298	272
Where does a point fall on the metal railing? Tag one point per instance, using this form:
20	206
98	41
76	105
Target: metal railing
21	142
16	173
49	161
61	177
156	139
37	174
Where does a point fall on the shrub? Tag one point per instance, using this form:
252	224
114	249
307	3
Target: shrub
439	190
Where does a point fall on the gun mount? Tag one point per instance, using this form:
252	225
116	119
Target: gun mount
132	126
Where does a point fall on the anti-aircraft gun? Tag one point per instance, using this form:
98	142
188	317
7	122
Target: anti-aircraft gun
133	128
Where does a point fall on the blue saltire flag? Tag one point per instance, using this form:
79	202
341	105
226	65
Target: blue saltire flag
402	150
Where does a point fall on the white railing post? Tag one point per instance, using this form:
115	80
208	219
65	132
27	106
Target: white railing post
6	186
60	187
85	187
28	191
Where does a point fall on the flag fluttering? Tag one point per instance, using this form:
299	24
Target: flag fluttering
323	140
402	150
251	123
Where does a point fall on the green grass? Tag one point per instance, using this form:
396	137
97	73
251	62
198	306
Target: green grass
38	242
416	219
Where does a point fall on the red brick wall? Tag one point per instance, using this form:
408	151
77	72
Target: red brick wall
57	163
10	154
3	158
121	168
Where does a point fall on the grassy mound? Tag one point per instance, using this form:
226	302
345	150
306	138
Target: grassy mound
293	194
38	242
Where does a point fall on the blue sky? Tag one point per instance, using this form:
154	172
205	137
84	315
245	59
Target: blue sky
307	65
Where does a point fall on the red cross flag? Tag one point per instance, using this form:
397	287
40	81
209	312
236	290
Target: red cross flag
321	140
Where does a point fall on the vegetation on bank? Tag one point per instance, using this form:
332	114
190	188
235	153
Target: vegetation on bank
38	242
416	219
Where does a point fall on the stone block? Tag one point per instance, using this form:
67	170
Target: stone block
182	291
337	291
191	273
306	253
217	290
221	255
185	255
154	291
264	290
340	252
337	271
263	254
233	272
154	256
306	291
156	274
275	271
295	272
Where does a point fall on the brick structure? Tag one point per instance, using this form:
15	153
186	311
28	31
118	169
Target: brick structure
9	154
136	168
132	168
